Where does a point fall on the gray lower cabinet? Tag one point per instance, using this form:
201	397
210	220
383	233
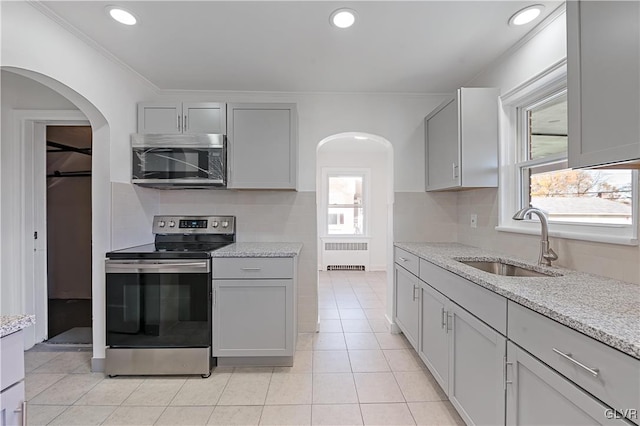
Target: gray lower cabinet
263	146
12	398
253	318
465	356
407	303
476	365
433	347
254	307
537	395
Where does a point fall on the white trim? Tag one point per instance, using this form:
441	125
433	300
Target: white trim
546	83
32	273
595	237
328	172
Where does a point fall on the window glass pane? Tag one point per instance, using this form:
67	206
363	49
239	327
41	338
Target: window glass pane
345	220
345	190
547	124
584	196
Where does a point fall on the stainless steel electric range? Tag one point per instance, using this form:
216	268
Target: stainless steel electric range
158	296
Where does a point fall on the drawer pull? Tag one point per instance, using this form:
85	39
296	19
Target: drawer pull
403	259
251	269
593	371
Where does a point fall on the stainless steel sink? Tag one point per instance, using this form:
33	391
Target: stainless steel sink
501	268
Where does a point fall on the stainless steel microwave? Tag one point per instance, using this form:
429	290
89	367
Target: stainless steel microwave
179	161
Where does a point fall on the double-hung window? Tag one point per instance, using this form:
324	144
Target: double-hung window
595	205
346	202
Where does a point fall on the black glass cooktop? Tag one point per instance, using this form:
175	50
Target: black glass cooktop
194	250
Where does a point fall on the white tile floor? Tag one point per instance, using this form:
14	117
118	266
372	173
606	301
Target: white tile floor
352	372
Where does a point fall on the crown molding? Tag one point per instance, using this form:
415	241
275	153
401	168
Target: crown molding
40	7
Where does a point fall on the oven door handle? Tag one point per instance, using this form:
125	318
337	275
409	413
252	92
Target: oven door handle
155	267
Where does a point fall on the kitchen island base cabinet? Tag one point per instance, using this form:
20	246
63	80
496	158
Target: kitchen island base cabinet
537	395
12	398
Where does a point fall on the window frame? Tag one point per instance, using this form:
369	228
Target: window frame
329	172
511	185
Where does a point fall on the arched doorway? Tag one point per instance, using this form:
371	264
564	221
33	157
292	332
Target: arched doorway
26	288
354	197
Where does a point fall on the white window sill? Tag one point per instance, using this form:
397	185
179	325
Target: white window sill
582	236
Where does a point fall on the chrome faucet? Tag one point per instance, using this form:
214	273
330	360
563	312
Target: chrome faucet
546	253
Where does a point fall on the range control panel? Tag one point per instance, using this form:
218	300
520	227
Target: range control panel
194	224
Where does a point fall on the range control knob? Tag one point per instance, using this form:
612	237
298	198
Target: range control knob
225	224
172	224
215	224
161	224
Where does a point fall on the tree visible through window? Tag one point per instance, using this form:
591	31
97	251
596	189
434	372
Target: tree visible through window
346	206
580	196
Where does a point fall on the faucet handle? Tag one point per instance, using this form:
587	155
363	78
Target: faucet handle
550	255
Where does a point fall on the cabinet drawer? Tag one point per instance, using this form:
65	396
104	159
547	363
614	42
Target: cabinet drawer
484	304
253	267
407	260
12	359
616	382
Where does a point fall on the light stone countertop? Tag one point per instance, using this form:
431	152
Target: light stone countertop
605	309
259	250
12	323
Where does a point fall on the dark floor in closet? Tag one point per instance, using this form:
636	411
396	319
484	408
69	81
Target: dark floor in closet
65	314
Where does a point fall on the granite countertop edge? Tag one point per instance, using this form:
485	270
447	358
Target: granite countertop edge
259	249
10	324
599	307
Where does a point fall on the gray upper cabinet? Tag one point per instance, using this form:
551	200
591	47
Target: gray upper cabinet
263	146
182	117
603	66
461	137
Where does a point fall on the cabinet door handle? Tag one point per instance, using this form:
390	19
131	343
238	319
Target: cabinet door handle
504	373
403	259
179	118
567	356
185	122
449	322
415	287
251	269
454	170
442	317
23	410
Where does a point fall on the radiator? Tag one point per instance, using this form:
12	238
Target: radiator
345	256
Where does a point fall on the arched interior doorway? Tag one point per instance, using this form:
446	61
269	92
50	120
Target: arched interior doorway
25	288
354	197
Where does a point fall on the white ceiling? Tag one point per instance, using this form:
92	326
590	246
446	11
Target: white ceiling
395	46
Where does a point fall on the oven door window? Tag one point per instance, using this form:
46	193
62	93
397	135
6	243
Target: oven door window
158	310
178	163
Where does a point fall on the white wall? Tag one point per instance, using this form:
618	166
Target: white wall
105	92
18	93
376	161
610	260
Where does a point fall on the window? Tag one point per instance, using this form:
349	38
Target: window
345	215
598	205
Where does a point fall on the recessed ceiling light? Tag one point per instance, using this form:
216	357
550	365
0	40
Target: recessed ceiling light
121	15
343	18
526	15
361	138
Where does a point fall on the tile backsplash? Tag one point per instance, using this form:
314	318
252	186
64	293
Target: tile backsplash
609	260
